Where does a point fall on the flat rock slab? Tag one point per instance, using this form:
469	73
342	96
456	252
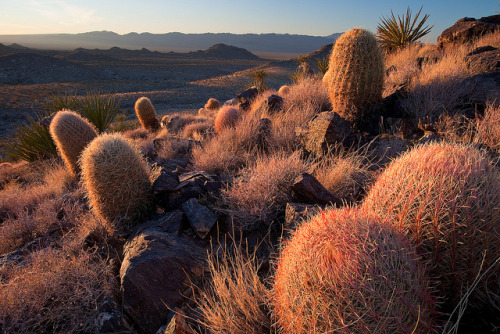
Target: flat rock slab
157	266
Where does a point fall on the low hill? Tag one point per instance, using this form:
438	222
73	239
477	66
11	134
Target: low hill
223	51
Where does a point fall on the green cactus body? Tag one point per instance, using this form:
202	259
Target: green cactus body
355	76
116	180
146	114
71	134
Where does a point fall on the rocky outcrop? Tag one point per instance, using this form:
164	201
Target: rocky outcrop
467	29
483	59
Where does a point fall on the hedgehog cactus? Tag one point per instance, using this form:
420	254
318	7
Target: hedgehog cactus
71	134
446	198
116	180
227	117
345	271
212	104
355	76
146	114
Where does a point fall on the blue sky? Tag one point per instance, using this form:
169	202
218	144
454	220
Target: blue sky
313	17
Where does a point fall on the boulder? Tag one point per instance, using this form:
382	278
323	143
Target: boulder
201	218
157	267
483	59
307	189
246	97
467	29
165	182
271	105
112	322
323	131
177	324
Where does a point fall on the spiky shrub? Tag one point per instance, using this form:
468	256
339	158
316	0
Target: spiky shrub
446	198
100	109
212	104
227	117
146	114
355	76
346	271
116	179
71	134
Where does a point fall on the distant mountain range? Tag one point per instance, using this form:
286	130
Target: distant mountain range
174	41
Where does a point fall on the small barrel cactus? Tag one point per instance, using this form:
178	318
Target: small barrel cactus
285	89
446	198
116	179
345	271
227	117
212	104
355	77
146	114
71	134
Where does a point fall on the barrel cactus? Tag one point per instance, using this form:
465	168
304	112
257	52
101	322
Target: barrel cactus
146	114
227	117
345	271
446	198
71	134
212	104
355	76
116	179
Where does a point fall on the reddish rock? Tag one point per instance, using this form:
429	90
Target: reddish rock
467	29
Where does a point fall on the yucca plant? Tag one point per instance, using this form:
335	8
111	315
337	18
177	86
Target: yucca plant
322	64
30	142
394	33
258	80
60	101
99	109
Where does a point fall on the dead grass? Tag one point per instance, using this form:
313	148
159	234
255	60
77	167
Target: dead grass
236	301
263	189
488	128
57	290
198	130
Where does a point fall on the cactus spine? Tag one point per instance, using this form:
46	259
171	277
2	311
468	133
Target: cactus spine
146	114
355	76
116	179
71	133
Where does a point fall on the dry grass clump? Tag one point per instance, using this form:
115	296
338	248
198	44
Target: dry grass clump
198	130
58	290
212	104
236	301
346	271
488	128
345	173
263	189
175	123
310	94
445	198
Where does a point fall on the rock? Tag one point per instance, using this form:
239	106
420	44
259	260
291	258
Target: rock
246	97
231	102
467	29
323	131
201	218
270	106
393	105
165	182
177	324
405	128
170	222
486	87
157	267
307	189
295	213
483	59
177	165
112	322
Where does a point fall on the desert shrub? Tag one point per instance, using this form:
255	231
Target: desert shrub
227	117
263	189
146	114
259	80
397	33
345	173
30	142
236	301
116	179
212	104
175	123
56	291
488	128
445	198
199	129
71	133
355	52
346	271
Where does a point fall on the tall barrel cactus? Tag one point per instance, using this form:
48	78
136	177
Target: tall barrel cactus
355	76
146	114
116	180
71	134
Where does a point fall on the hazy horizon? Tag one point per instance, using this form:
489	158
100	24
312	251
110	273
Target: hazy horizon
314	18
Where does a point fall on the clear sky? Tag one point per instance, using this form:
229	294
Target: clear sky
313	17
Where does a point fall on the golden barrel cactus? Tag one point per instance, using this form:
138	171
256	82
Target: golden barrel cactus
345	271
355	76
71	134
227	117
146	114
116	179
212	104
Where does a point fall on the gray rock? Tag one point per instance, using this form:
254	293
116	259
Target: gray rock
467	29
157	267
323	131
246	97
167	181
483	59
271	105
112	322
201	218
307	189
